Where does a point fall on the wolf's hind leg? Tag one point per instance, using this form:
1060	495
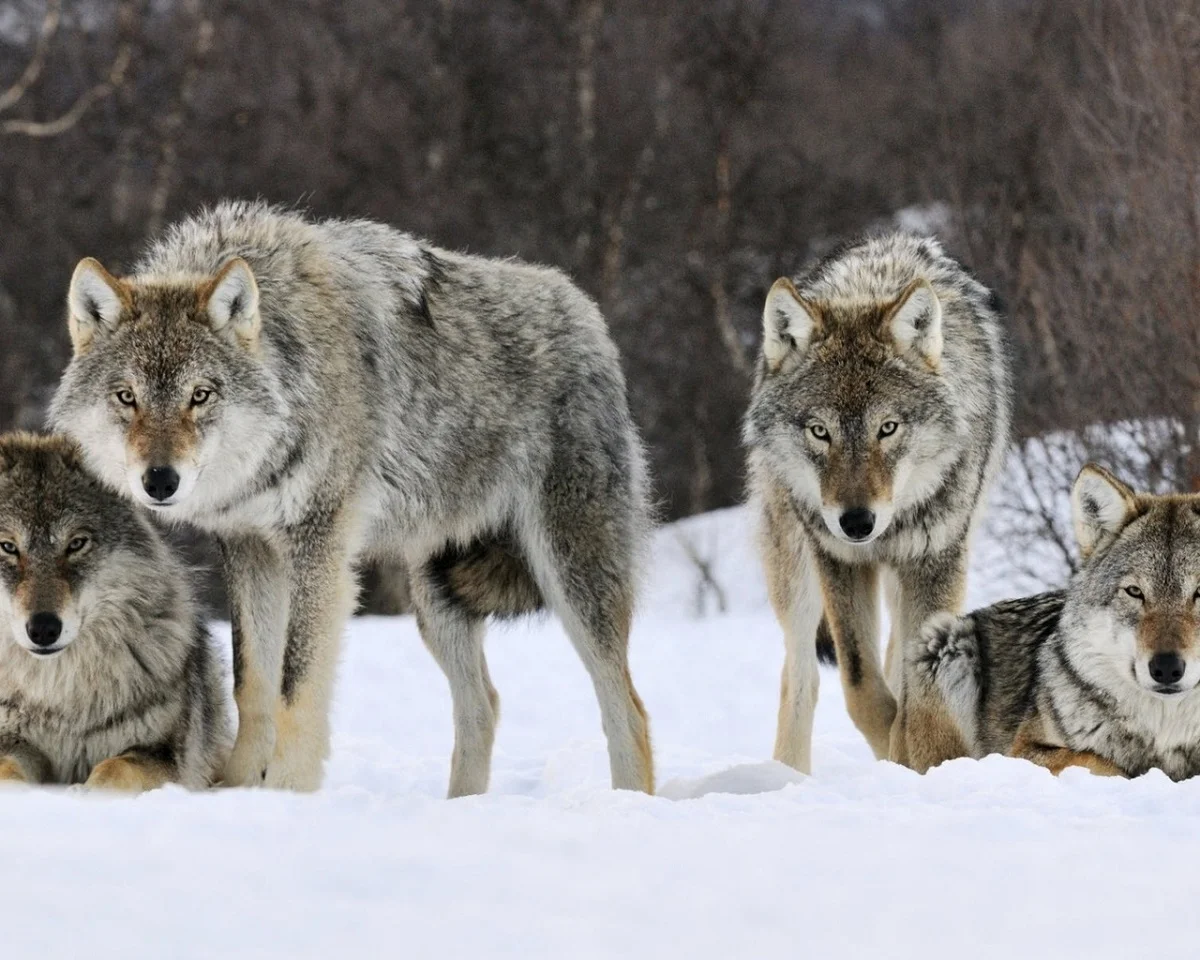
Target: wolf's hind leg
455	638
941	691
584	564
934	585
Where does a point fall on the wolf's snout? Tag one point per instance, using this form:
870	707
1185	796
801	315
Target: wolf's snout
44	629
857	523
160	482
1167	668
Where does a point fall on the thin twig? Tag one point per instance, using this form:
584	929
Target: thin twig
33	69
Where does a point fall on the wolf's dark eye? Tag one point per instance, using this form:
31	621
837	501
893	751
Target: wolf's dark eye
1135	592
888	427
819	432
200	396
126	398
77	544
9	547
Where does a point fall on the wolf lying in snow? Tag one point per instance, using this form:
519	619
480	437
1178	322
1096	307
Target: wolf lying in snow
1101	675
106	675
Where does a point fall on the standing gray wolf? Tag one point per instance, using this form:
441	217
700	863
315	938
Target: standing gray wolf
320	393
1102	675
107	676
878	419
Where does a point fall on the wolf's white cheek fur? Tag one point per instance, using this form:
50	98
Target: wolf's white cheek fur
802	479
103	442
921	471
1105	644
232	452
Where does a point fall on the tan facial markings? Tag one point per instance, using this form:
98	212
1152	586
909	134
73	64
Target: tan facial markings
41	589
1170	630
164	439
855	481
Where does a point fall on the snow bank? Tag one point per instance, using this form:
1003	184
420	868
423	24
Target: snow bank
739	858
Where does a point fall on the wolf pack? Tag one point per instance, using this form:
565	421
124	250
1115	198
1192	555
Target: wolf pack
317	395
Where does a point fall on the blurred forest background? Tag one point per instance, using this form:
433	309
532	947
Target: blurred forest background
673	156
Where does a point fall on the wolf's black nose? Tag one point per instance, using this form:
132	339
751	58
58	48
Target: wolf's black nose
160	482
1167	667
44	629
857	523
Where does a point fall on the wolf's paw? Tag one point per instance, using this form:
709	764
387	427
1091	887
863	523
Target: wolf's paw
298	763
247	764
11	773
122	775
301	746
302	778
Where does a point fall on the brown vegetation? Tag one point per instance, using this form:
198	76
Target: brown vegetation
674	157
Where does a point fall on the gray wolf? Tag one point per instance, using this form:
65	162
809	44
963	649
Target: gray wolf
878	418
107	675
320	393
1101	675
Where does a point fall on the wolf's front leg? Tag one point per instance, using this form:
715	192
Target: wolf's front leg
1032	743
256	573
323	592
133	772
852	608
21	762
924	734
1057	759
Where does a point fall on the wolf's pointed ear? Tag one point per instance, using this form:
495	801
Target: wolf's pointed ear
231	298
95	303
1101	506
788	323
914	322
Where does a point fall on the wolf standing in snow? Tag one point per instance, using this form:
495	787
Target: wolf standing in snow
1102	675
107	676
318	393
878	419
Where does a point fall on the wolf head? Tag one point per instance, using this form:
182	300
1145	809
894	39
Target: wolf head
850	406
62	535
166	383
1135	604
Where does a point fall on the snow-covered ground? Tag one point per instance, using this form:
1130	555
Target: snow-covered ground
739	858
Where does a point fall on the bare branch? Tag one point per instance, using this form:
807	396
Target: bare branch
85	101
33	70
707	583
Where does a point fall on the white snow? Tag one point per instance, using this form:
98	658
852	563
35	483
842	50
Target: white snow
739	858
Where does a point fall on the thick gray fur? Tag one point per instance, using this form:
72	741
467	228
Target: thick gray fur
136	675
837	360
